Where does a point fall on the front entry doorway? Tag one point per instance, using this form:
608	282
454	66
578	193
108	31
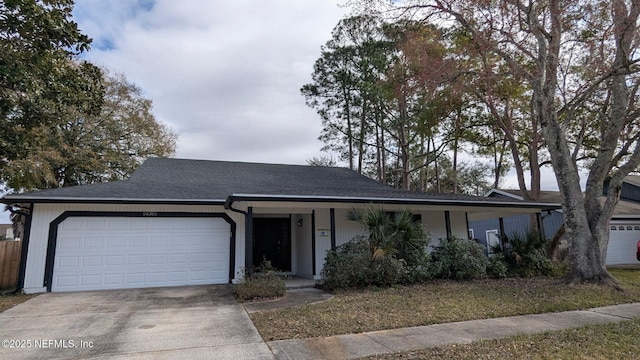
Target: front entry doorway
272	241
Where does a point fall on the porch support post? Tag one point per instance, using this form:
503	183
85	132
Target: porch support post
313	242
332	219
447	223
502	234
466	219
248	238
540	221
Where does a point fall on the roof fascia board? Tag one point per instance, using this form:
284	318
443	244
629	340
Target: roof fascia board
285	198
622	217
13	200
415	201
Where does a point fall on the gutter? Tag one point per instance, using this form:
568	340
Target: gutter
414	201
85	200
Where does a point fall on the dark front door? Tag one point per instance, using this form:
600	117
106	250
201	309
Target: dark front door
272	241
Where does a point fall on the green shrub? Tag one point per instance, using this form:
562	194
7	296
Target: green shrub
421	272
459	259
262	282
526	255
497	267
352	265
559	268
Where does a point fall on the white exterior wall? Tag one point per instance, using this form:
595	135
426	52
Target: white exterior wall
44	214
434	224
459	227
346	229
323	238
432	218
303	246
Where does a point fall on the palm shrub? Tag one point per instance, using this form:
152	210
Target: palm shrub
399	235
393	251
525	254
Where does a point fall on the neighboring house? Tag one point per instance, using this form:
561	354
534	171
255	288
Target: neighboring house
624	227
487	232
185	222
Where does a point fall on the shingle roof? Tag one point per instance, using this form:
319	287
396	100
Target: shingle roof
181	180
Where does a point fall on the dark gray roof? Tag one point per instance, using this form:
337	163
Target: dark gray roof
205	181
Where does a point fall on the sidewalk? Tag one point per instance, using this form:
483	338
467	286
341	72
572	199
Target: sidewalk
354	346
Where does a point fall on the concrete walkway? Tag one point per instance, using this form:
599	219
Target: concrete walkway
354	346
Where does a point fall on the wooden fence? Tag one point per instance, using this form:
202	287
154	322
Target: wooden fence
9	263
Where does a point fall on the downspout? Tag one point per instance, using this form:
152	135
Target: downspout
26	233
228	205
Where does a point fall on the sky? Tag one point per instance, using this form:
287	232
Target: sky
224	75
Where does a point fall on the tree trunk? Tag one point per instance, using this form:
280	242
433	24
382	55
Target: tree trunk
347	111
378	150
554	247
584	249
455	152
361	137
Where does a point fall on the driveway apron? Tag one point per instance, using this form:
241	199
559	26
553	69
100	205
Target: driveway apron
194	322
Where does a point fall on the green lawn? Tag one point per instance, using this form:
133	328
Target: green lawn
610	341
439	302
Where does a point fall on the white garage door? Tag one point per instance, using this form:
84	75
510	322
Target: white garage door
95	253
623	241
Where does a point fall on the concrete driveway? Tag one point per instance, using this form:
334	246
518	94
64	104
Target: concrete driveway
195	322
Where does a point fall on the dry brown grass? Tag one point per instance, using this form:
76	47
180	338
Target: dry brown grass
9	301
439	302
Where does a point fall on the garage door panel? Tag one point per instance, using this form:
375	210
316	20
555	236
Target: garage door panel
68	261
194	251
71	224
95	224
112	260
115	242
136	224
159	241
71	242
178	258
135	279
138	241
113	279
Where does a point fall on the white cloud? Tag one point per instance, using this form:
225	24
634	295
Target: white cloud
224	74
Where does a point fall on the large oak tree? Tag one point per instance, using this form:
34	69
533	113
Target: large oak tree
579	59
64	121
